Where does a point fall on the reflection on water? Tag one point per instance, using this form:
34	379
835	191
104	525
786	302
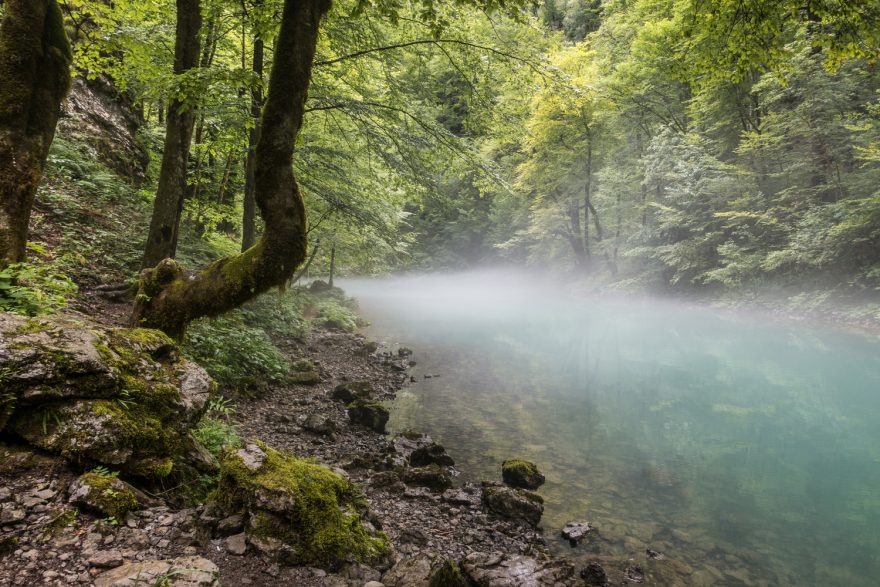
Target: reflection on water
748	450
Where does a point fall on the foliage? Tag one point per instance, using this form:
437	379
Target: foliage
34	288
216	429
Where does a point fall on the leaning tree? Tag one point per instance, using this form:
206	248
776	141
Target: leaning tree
34	78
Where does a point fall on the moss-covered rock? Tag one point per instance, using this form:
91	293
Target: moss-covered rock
103	493
370	414
353	390
117	397
299	512
425	569
521	473
432	476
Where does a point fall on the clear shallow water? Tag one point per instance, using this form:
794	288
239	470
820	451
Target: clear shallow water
746	449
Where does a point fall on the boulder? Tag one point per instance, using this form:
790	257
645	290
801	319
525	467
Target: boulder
521	473
517	505
319	424
506	570
433	477
117	397
104	494
353	390
432	454
187	571
304	372
298	512
369	414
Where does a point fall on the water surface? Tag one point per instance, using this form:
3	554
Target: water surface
743	446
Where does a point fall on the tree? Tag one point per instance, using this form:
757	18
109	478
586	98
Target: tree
35	61
168	206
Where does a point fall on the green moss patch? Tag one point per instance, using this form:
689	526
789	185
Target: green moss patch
301	513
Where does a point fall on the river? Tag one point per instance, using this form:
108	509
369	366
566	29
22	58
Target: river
746	448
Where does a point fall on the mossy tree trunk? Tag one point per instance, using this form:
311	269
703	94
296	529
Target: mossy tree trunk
180	120
169	296
34	78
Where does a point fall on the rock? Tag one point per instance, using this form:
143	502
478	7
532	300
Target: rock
236	544
370	414
319	424
468	495
230	525
304	377
634	574
654	555
505	570
518	505
104	494
403	352
298	512
374	584
594	574
105	559
520	473
188	571
116	397
574	532
430	454
10	514
353	390
319	286
433	477
424	570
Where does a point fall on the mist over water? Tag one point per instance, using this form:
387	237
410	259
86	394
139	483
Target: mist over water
743	446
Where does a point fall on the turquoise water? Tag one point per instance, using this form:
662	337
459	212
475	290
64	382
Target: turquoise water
747	449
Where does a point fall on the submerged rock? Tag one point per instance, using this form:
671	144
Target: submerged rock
118	397
521	473
299	512
574	532
432	454
518	505
505	570
593	574
370	414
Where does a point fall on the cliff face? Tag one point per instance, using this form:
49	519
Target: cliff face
96	113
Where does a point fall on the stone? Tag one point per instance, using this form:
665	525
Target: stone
236	544
431	454
319	424
593	574
10	514
104	494
468	495
403	352
521	473
517	505
369	414
304	377
122	398
188	571
634	574
105	559
506	570
433	477
353	390
574	532
424	570
298	512
374	584
230	525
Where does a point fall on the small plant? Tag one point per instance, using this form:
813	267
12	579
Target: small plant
103	471
34	288
215	430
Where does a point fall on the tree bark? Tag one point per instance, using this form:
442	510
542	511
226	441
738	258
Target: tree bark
169	297
180	119
34	78
248	221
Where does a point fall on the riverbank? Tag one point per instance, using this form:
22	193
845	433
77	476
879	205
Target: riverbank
46	539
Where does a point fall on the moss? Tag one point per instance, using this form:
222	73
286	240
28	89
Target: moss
65	518
109	495
521	473
320	524
32	326
447	575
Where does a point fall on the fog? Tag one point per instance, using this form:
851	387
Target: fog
649	414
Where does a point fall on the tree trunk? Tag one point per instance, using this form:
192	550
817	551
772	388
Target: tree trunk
180	118
34	78
332	265
248	233
169	297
